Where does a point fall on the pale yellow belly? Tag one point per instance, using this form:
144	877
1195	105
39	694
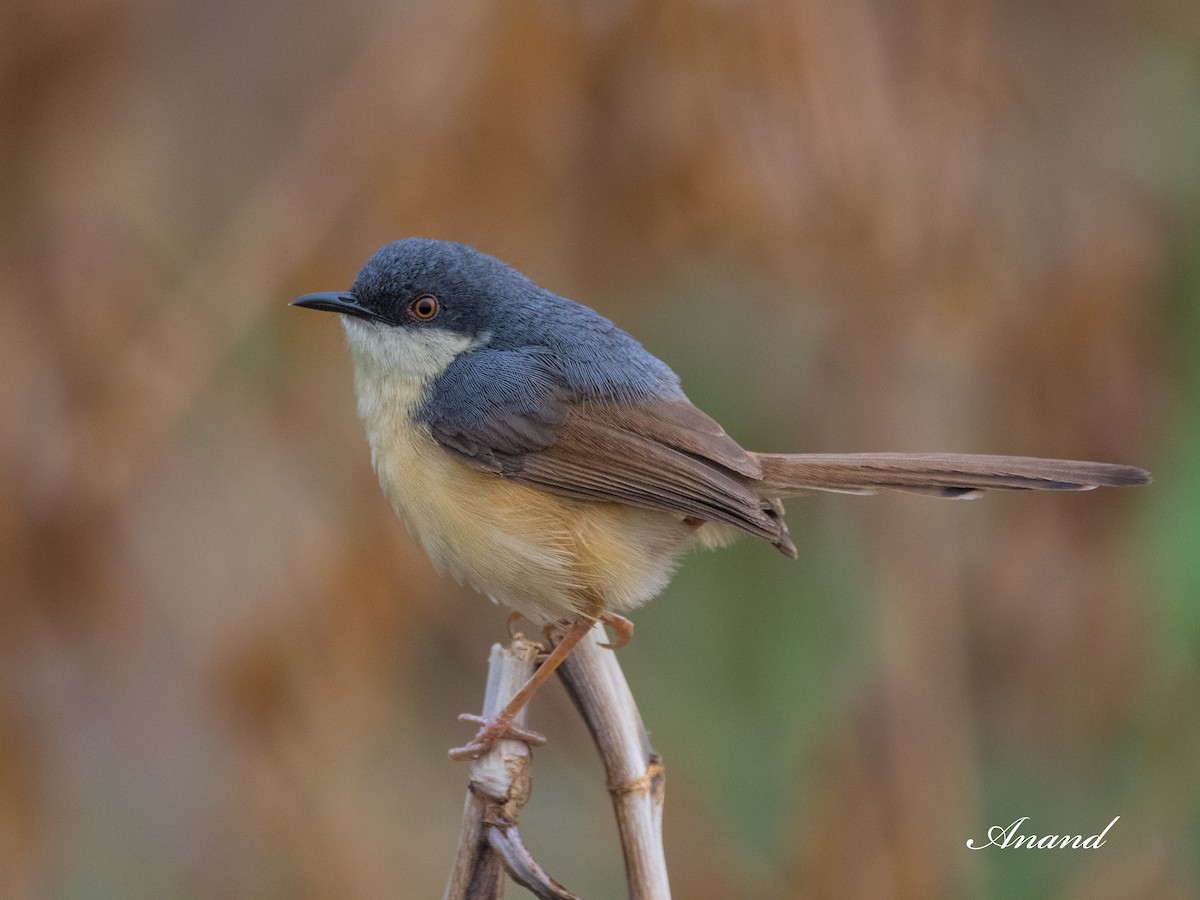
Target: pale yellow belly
545	556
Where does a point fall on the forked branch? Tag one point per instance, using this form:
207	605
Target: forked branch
488	843
501	780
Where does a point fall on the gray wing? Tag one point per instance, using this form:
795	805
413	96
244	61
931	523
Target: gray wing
652	453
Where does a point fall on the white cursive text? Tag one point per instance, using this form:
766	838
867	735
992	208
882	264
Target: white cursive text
1000	836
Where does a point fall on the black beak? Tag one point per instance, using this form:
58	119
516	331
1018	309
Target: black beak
338	303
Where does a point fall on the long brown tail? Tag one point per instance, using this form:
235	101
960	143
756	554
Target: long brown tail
939	474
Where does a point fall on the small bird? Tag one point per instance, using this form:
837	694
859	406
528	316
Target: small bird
541	455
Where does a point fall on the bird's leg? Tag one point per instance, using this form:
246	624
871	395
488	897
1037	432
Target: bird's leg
500	726
622	630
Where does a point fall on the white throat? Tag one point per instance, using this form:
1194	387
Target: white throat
410	354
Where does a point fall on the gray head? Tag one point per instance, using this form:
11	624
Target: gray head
419	304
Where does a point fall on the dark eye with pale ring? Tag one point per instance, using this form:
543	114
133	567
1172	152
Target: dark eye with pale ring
425	307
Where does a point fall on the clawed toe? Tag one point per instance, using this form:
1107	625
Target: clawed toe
513	619
622	630
499	728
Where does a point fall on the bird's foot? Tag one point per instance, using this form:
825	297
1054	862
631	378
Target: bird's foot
622	630
497	728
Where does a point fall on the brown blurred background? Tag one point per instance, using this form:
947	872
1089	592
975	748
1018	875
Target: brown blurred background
226	671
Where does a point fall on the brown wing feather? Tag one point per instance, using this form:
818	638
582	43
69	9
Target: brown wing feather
679	424
607	457
665	455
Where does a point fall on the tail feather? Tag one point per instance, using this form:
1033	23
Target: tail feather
939	474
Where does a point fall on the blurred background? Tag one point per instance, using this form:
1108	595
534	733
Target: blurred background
225	669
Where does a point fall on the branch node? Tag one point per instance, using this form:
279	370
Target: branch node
651	782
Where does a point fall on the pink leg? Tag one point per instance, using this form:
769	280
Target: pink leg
500	726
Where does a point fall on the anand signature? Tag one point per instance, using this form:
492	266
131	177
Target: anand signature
1012	836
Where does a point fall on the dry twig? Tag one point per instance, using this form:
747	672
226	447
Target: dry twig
636	778
501	780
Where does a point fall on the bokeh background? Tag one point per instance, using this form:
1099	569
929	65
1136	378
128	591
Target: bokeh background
226	671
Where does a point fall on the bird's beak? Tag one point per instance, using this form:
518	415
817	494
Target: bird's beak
338	303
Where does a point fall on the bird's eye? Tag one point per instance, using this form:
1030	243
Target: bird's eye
425	307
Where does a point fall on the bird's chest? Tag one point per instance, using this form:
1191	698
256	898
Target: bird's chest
547	556
456	512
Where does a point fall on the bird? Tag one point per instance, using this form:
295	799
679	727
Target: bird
543	456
